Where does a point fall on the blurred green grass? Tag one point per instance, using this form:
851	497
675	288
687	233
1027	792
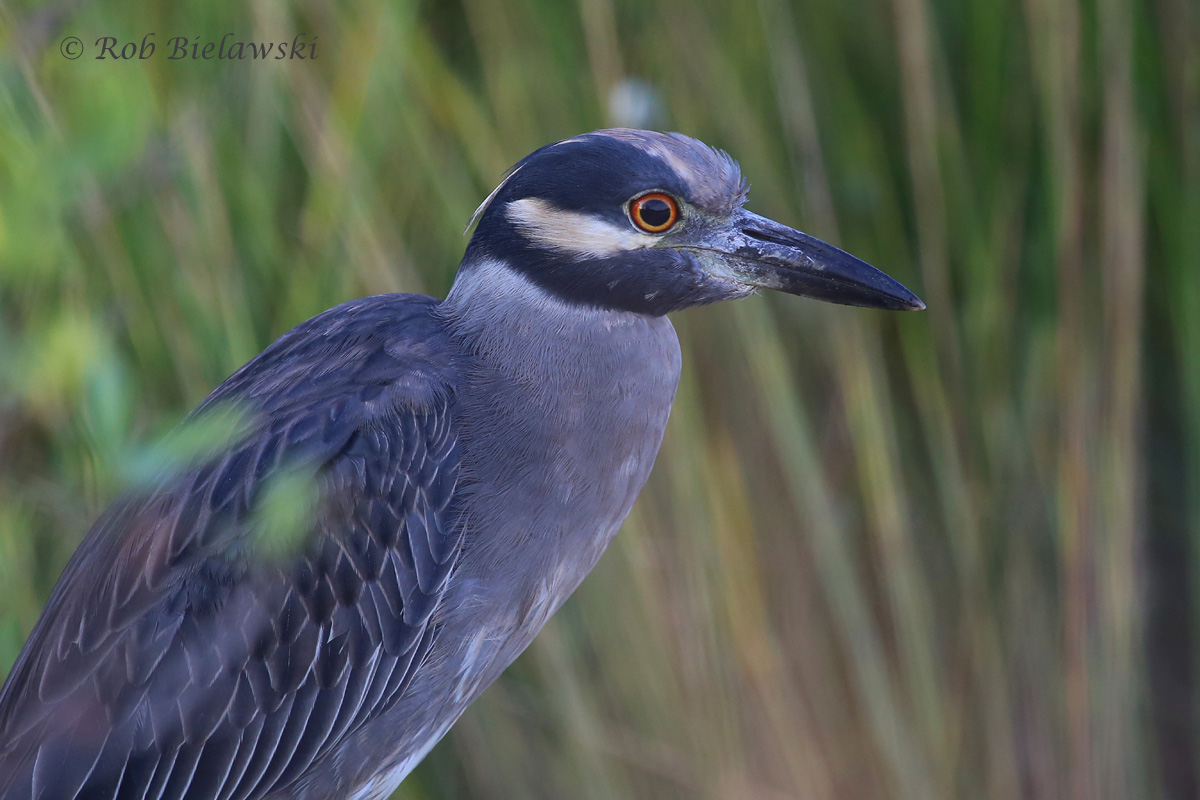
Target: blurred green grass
939	555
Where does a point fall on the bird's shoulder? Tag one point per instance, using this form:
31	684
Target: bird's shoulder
175	627
396	340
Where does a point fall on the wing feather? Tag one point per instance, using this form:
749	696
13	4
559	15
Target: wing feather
177	658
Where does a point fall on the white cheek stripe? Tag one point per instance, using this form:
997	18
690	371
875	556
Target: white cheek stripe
572	232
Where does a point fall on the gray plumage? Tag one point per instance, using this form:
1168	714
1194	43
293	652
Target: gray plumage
471	459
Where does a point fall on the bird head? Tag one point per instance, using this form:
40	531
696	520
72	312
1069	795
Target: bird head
654	222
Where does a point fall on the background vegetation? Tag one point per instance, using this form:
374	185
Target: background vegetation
939	555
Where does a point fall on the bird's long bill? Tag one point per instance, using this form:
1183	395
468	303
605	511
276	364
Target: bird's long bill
774	256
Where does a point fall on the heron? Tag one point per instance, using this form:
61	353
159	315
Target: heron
472	458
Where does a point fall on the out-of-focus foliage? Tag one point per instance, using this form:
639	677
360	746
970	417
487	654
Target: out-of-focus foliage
938	555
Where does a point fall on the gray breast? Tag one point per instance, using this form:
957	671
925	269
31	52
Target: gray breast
565	415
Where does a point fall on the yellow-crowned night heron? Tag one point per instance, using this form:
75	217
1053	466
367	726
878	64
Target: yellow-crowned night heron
473	458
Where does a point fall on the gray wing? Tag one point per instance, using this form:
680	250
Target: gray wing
175	660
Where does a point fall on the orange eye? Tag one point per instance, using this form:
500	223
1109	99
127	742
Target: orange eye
654	212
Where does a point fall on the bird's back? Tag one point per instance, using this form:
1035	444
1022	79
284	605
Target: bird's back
190	652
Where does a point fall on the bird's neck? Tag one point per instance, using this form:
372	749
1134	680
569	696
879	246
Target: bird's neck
562	415
511	322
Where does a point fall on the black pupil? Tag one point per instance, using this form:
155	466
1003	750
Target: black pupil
655	212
